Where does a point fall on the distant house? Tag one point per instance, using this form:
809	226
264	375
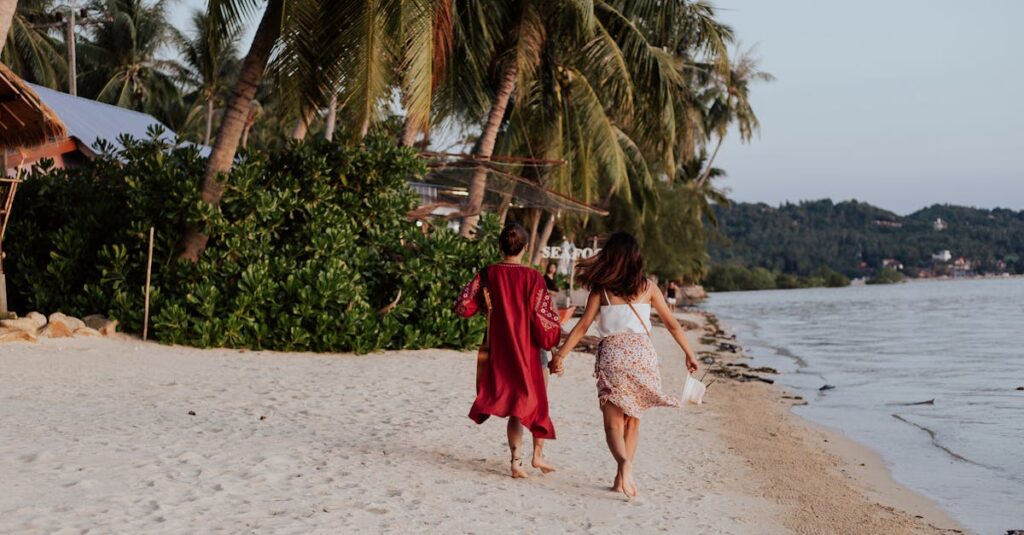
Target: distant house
892	263
939	224
87	121
888	223
942	256
962	267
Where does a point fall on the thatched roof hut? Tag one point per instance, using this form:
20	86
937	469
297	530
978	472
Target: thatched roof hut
24	120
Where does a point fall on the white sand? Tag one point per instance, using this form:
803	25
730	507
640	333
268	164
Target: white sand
95	434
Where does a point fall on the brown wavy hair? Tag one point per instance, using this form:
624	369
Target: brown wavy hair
618	268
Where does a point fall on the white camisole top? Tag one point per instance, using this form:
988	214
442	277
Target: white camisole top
619	319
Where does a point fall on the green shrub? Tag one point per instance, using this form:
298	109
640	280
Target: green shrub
886	276
733	278
832	278
738	278
309	250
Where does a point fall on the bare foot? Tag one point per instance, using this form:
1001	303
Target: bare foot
628	485
517	469
542	465
617	484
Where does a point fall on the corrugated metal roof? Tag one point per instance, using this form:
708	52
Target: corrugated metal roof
90	121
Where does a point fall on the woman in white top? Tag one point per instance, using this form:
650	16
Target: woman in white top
626	367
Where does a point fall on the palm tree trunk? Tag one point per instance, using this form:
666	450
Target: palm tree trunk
485	147
364	128
222	154
408	136
545	235
707	171
534	223
209	121
506	203
72	52
7	9
245	135
302	124
332	118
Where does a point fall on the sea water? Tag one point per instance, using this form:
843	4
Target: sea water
888	348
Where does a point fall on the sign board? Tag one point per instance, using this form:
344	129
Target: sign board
575	252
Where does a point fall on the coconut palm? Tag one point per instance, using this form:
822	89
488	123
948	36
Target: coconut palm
122	60
7	12
507	39
622	68
732	103
326	43
210	55
30	50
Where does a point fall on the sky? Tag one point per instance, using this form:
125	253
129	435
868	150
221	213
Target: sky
900	103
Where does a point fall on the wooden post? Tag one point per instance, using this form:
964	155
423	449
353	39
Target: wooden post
149	272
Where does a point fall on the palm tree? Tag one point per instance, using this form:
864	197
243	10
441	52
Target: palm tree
122	57
326	44
599	88
732	103
237	111
7	10
510	36
210	55
30	50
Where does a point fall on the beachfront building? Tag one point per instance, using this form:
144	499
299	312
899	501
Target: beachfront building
87	122
942	256
25	122
939	224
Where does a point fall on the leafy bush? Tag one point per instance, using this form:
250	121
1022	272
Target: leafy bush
729	278
886	276
309	250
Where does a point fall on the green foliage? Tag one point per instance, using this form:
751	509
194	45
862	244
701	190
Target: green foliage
669	225
886	276
728	278
310	249
854	238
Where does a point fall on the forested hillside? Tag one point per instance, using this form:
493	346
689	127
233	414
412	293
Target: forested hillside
856	238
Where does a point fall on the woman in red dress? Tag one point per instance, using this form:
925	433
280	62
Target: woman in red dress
522	321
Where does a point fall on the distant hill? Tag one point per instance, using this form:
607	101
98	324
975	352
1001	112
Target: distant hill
857	238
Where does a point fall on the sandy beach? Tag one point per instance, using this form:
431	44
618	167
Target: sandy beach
120	436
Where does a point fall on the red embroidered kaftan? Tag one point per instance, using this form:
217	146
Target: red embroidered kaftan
523	320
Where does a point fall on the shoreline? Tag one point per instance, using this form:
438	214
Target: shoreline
847	479
119	434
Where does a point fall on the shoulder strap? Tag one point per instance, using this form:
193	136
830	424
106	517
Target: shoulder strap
642	322
606	300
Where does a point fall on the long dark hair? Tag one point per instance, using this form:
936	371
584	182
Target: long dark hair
618	268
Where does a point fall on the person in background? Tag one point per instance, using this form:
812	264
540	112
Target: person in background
670	293
549	280
522	321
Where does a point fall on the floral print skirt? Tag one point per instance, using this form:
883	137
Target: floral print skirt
627	374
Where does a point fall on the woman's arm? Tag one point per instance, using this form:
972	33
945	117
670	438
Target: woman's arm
469	301
593	308
676	330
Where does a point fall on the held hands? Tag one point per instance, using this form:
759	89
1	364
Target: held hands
557	364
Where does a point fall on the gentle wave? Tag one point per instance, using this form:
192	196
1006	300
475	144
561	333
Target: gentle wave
949	354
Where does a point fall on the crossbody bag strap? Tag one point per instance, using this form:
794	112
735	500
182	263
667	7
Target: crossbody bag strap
637	314
642	322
